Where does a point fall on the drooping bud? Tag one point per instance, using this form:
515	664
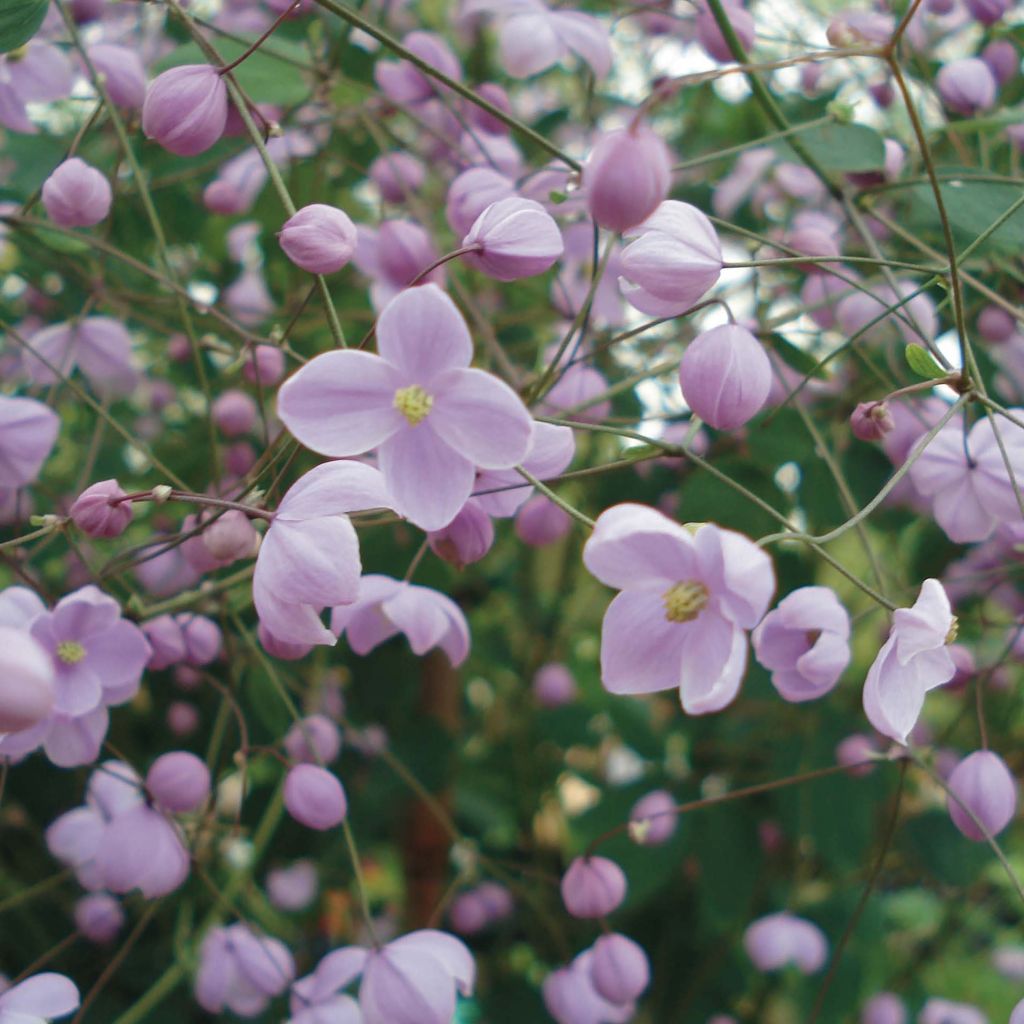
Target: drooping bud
99	917
982	783
553	685
93	513
619	969
593	887
627	175
709	35
541	522
319	238
166	641
76	195
853	751
725	376
312	740
654	818
186	109
871	421
967	86
397	175
988	12
26	680
202	637
483	119
516	237
125	77
1002	59
179	782
471	193
466	539
314	797
264	365
235	413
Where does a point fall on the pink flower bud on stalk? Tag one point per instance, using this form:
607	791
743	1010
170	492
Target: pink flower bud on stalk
397	175
967	86
541	522
853	751
871	421
186	109
988	12
884	1008
179	782
97	513
709	35
593	887
619	969
513	238
483	119
99	917
996	325
314	797
316	732
471	193
653	819
123	73
1002	59
466	539
319	238
982	784
627	175
76	195
264	365
725	376
235	413
778	940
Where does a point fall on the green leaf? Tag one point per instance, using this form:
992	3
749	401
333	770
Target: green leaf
845	147
922	363
796	358
265	76
972	208
19	22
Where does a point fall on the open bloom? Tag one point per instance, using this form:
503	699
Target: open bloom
386	607
432	418
98	345
804	643
686	603
241	971
914	660
571	997
309	558
38	999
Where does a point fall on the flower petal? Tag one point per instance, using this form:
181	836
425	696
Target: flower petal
640	648
422	333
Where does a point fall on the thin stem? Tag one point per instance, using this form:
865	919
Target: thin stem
262	39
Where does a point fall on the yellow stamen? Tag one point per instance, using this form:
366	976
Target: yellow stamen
70	652
413	403
685	601
954	629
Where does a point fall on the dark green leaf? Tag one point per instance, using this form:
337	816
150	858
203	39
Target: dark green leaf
923	363
845	147
19	22
972	208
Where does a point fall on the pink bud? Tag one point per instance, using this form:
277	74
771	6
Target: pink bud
26	680
469	913
884	1008
186	109
314	797
280	649
471	193
235	413
967	86
553	686
125	77
293	887
93	513
99	917
778	940
319	238
516	238
593	887
179	782
239	458
983	784
627	175
1002	59
725	376
988	12
264	365
466	539
996	325
871	421
397	175
76	195
166	640
541	522
317	732
202	638
709	35
84	11
619	969
230	536
487	122
403	82
182	718
654	818
853	751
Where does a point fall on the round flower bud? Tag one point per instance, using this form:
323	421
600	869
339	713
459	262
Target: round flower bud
988	12
124	75
469	913
514	238
264	365
397	176
541	522
179	782
26	680
654	818
619	969
294	887
627	175
76	195
725	376
239	458
280	649
709	35
202	638
314	797
186	109
316	732
484	120
853	751
235	413
93	513
1002	59
319	238
996	325
99	917
871	421
182	718
466	539
778	940
553	686
229	537
884	1008
471	193
497	898
593	887
166	640
967	86
982	783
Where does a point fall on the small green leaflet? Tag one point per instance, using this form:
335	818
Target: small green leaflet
19	22
922	363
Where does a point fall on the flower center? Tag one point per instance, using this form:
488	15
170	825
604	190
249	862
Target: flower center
413	403
954	630
70	652
685	601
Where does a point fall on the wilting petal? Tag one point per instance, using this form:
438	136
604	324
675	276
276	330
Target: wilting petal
422	333
341	403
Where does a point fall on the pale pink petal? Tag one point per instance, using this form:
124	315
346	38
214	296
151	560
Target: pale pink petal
74	741
43	995
422	333
450	953
640	649
714	658
333	488
529	44
587	37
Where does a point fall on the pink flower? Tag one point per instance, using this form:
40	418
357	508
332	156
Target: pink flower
314	797
403	82
675	260
398	175
516	238
619	969
294	581
122	69
778	940
914	660
871	421
26	680
982	784
884	1008
966	478
319	238
293	887
98	345
967	86
178	781
804	643
394	255
432	419
315	739
99	917
186	109
709	35
593	887
141	849
654	818
94	513
571	998
39	999
28	431
37	74
686	603
241	971
386	607
76	195
553	685
945	1011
